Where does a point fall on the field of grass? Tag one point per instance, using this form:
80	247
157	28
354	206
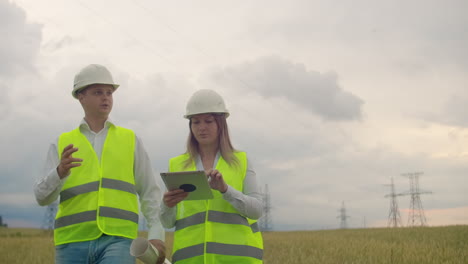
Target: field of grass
429	245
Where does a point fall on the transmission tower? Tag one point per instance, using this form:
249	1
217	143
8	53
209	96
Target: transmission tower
1	222
416	211
49	216
142	225
265	221
394	219
343	216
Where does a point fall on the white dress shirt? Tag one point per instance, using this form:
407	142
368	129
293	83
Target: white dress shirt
49	184
248	202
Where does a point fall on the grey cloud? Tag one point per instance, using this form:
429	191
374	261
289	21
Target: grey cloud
25	216
413	33
274	77
59	44
452	113
455	111
360	178
20	40
4	101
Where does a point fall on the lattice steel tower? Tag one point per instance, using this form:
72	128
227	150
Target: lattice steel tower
265	221
142	224
49	216
394	219
416	211
1	222
343	216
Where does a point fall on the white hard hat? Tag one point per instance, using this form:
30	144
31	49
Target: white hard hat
92	74
205	101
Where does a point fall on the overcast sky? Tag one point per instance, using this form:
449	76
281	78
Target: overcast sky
330	99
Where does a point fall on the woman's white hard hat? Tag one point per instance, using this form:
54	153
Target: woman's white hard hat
205	101
92	74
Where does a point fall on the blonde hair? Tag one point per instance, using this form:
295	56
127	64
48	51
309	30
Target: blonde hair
224	143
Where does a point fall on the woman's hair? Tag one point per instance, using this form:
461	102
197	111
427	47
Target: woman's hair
224	143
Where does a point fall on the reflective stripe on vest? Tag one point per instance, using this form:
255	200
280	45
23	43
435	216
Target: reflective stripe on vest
98	197
94	186
213	231
91	216
217	248
214	216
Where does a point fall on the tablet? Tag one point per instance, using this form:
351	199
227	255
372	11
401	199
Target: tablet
194	182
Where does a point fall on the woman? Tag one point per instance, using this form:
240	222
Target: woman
222	229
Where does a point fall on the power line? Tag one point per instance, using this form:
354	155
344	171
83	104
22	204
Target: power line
97	15
194	46
227	74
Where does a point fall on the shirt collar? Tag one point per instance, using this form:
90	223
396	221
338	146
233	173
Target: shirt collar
107	124
199	162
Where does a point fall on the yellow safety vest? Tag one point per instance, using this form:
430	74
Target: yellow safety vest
98	197
212	231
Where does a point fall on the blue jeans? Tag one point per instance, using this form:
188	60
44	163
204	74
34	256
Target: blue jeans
104	250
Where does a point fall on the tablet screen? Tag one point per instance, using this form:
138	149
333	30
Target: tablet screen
193	182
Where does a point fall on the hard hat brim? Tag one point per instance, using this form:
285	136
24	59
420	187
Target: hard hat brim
80	88
226	114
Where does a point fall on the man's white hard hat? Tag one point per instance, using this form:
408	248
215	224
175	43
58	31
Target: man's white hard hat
92	74
205	101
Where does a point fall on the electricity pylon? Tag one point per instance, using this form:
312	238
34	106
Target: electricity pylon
49	216
1	222
416	215
343	216
394	219
265	222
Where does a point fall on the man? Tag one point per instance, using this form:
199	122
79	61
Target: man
98	170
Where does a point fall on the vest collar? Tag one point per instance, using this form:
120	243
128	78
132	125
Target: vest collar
199	163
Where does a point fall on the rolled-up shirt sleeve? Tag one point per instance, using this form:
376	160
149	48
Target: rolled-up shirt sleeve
149	192
168	216
48	184
249	202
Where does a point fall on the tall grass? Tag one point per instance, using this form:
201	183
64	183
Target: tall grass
385	245
431	245
26	246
